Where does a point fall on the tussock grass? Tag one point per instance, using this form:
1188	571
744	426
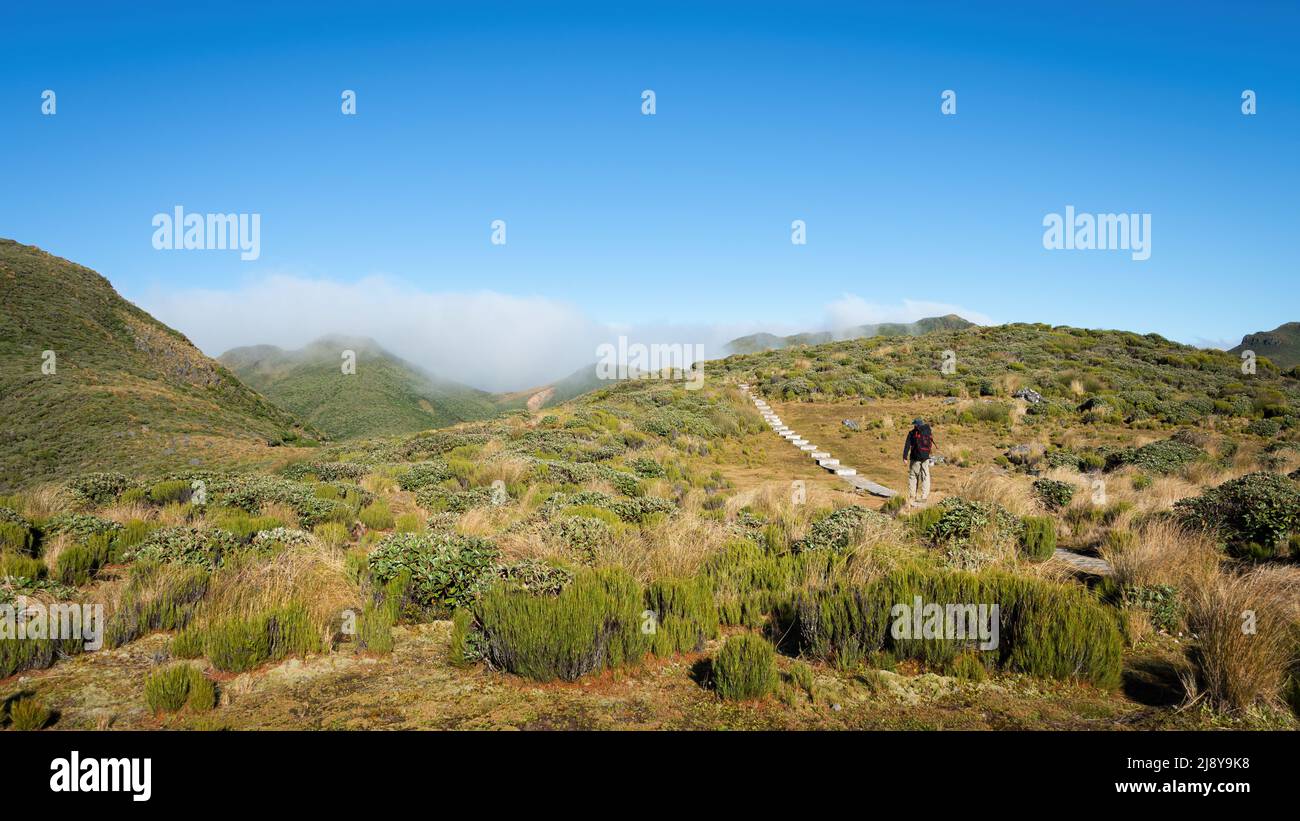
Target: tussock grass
1247	637
25	712
171	688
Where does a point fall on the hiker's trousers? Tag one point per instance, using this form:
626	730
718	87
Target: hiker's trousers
918	478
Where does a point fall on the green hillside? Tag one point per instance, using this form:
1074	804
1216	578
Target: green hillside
126	390
756	343
1117	374
385	395
1280	345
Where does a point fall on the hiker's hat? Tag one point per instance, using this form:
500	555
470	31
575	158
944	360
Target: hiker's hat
918	421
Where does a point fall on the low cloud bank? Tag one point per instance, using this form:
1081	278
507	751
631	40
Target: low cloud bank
490	340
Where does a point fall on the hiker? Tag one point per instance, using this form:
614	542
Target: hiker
916	452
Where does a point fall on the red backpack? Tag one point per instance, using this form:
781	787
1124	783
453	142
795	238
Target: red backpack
922	441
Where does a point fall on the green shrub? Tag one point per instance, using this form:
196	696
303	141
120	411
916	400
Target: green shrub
375	627
276	538
332	534
377	516
959	519
18	566
410	523
207	549
79	526
969	666
462	652
157	597
26	712
838	532
1163	456
584	536
1044	628
98	488
1253	514
1264	427
171	490
1053	494
78	562
1038	540
593	624
536	576
244	527
16	533
239	643
446	570
682	615
169	689
744	668
1162	602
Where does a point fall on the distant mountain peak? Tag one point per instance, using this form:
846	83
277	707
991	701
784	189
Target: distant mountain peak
1281	345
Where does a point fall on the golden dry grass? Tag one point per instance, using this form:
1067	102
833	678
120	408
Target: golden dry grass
1245	628
251	585
1164	553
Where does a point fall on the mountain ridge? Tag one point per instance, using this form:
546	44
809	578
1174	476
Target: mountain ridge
756	343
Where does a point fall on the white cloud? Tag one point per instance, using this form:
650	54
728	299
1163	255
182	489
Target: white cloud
486	339
490	340
851	309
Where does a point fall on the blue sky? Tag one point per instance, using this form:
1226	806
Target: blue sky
766	113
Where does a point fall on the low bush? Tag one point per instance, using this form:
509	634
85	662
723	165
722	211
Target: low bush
1164	456
27	712
240	643
837	532
171	688
16	533
1053	494
98	489
20	566
76	563
959	519
682	615
1043	628
158	596
375	627
744	668
332	534
171	490
1254	514
377	516
593	624
1038	539
446	570
187	545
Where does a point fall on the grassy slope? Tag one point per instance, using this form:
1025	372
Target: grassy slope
1135	377
385	396
128	390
